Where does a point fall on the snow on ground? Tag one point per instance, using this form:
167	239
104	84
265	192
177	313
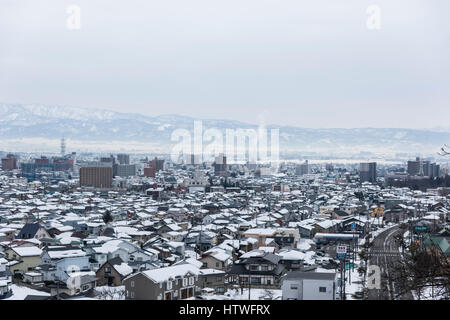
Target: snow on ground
356	284
255	294
431	293
381	230
309	257
20	293
304	244
319	269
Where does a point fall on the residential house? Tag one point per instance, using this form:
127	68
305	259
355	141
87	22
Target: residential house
23	258
262	269
32	230
112	272
169	283
309	286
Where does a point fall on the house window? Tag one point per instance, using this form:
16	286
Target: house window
253	268
169	285
185	282
132	294
322	289
107	269
191	281
265	268
132	284
294	287
205	265
217	264
218	278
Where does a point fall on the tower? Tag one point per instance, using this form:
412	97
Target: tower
63	146
421	173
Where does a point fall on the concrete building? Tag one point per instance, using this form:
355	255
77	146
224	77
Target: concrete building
220	165
125	170
298	285
9	163
97	175
150	172
303	168
368	172
421	167
123	158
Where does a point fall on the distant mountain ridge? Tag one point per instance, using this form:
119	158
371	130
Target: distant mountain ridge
35	121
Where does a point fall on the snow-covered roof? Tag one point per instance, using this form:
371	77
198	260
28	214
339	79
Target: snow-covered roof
27	251
164	274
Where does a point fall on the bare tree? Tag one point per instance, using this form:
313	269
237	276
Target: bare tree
111	293
422	271
267	294
444	151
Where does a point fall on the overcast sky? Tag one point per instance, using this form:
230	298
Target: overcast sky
291	62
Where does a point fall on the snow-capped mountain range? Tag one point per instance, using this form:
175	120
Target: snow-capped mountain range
33	124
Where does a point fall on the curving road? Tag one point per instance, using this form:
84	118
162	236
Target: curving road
384	253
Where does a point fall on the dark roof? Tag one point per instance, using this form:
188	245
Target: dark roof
310	275
108	232
270	257
115	261
28	229
240	269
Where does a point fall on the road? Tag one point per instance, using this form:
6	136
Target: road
384	253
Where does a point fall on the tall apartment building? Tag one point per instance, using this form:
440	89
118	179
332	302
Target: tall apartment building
303	168
368	172
423	168
97	175
109	159
123	158
150	172
10	162
157	164
220	165
124	170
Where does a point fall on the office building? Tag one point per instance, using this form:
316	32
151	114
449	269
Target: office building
302	169
368	172
125	170
220	165
123	158
10	162
97	175
421	167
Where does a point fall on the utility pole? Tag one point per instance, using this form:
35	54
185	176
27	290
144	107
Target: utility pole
249	281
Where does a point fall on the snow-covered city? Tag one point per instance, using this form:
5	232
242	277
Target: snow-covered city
121	227
220	159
